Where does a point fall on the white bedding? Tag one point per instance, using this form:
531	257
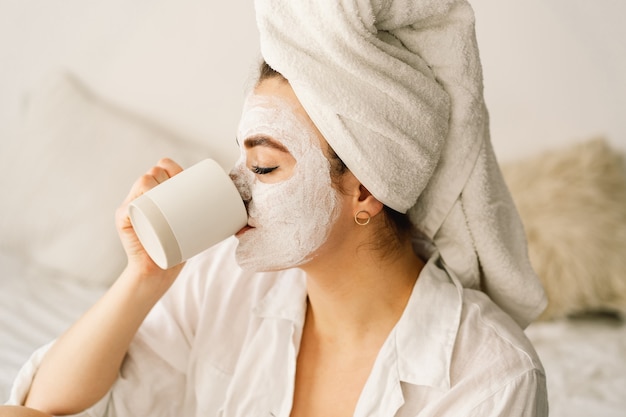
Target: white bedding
35	307
585	362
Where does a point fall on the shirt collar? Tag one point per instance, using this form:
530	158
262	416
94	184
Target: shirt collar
286	298
419	349
425	335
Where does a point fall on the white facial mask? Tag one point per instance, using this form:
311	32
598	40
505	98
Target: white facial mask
291	218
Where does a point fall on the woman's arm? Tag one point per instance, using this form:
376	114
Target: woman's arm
84	362
17	411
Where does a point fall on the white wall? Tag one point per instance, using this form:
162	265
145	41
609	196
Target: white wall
554	70
39	36
184	63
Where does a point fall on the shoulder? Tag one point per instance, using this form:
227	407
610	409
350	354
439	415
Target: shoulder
490	347
494	366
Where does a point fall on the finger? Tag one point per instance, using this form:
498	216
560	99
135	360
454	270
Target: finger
162	171
170	167
159	174
143	184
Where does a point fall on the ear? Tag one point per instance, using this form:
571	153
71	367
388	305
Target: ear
367	202
361	198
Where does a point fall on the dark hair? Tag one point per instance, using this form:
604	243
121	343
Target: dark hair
267	72
395	220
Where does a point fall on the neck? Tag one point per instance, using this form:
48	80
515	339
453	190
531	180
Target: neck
360	296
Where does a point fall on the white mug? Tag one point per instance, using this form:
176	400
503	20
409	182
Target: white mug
187	214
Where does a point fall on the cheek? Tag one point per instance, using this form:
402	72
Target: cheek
273	202
304	200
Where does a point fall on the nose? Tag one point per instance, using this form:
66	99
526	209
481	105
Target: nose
242	181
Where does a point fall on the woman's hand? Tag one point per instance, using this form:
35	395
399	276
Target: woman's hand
138	259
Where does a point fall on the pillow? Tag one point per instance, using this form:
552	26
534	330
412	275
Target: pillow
572	202
64	175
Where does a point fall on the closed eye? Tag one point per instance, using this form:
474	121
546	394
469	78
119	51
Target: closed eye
262	170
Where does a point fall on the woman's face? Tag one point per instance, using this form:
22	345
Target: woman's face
284	177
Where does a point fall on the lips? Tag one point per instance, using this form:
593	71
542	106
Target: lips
244	230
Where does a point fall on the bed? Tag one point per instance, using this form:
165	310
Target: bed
78	124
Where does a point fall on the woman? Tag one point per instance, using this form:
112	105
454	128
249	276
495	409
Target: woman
349	316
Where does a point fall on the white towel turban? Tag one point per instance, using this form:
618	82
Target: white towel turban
396	89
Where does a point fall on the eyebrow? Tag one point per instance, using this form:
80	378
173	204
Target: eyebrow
264	141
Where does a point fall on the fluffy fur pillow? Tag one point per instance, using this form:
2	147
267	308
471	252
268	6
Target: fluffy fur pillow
573	205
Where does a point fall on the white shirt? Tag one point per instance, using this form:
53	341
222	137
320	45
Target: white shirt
224	342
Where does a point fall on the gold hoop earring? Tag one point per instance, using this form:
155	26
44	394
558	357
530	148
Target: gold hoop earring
362	221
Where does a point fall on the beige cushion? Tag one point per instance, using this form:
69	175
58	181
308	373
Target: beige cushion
573	205
66	173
